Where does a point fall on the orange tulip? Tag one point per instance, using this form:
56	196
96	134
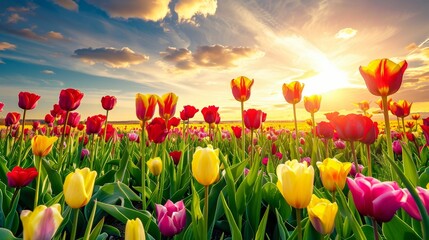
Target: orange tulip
401	108
415	116
167	105
145	106
240	87
383	77
312	103
363	105
292	92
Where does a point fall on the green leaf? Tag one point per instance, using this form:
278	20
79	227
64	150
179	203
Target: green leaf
309	231
6	234
409	167
369	232
260	234
97	229
12	218
120	174
424	178
236	233
197	216
54	178
283	233
397	229
272	196
345	210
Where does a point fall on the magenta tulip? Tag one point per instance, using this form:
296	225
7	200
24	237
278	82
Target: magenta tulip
171	217
410	205
27	100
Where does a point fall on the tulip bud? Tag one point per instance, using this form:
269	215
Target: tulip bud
397	148
134	230
78	187
42	223
333	173
155	166
322	214
42	145
171	217
205	165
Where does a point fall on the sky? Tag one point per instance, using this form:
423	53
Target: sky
195	47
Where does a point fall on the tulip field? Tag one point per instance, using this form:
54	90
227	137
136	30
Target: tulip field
345	177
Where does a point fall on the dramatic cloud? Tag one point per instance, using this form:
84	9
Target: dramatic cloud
187	9
6	45
346	33
209	56
153	10
55	35
49	72
14	18
67	4
30	34
116	58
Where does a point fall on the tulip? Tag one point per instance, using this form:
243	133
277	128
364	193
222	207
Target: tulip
265	161
322	214
171	217
378	200
42	145
410	205
69	99
205	165
175	155
108	102
155	166
157	130
294	177
134	230
145	106
325	130
292	92
240	87
109	133
363	105
237	131
84	153
188	112
74	119
12	118
371	135
133	137
352	127
1	106
353	170
401	108
333	173
397	148
27	100
312	103
173	122
252	118
21	177
94	124
42	223
210	113
415	116
167	105
56	111
78	187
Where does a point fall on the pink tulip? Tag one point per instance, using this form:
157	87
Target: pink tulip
410	205
171	217
378	200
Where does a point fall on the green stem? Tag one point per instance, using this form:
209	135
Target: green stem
333	196
75	221
368	156
251	150
15	193
39	169
90	222
105	128
387	131
352	146
298	223
296	133
143	163
403	130
21	137
374	225
206	209
243	139
326	148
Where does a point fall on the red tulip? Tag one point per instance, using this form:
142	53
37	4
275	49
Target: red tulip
36	125
69	99
1	106
175	155
21	177
363	105
371	135
108	102
410	205
332	115
379	200
188	112
325	130
237	131
12	118
167	105
312	103
173	122
57	112
157	130
111	133
240	87
210	114
292	92
264	116
415	116
49	119
252	118
74	119
27	100
383	77
94	124
145	106
401	108
352	127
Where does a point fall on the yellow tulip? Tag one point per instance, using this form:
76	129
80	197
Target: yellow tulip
322	214
42	145
427	186
78	187
333	172
145	106
155	166
134	230
295	182
205	165
42	223
167	105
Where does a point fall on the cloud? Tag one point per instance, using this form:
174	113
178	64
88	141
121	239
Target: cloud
305	75
209	56
67	4
187	9
55	35
115	58
14	18
153	10
6	46
30	34
49	72
30	6
346	33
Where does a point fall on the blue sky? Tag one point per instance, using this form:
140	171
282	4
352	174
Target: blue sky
195	47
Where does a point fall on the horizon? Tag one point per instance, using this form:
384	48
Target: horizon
194	48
